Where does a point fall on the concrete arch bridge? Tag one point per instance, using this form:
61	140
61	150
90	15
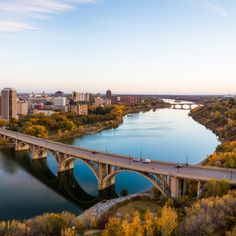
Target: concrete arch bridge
170	181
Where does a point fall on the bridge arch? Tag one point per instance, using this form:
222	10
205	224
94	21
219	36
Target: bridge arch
71	159
146	176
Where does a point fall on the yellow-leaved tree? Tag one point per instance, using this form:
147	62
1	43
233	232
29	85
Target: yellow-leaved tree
126	228
167	222
113	227
149	224
136	228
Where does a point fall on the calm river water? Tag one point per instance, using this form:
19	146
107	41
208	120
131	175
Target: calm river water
29	188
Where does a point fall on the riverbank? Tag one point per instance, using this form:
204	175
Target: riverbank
62	126
104	209
96	128
220	118
199	116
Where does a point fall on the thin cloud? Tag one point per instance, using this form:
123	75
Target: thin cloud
10	26
209	6
217	9
15	13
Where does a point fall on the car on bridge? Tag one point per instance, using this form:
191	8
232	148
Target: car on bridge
179	165
147	161
137	159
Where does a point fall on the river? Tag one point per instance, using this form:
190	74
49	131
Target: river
29	188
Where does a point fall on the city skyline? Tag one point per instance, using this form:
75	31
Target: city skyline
134	47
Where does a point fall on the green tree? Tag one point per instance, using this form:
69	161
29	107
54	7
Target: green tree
216	188
123	192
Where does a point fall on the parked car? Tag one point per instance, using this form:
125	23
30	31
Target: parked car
136	159
93	152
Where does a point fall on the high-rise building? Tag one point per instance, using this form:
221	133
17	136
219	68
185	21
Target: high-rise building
22	107
108	94
9	103
59	101
82	97
75	96
59	94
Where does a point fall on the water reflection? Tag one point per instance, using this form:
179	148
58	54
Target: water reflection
22	192
29	188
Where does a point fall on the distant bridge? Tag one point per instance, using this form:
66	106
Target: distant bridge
171	181
183	106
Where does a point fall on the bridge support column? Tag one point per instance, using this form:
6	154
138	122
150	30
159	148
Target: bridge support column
183	187
199	189
21	146
111	182
103	171
38	152
175	187
64	165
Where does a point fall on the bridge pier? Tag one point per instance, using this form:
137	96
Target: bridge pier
178	187
103	171
64	162
175	187
21	146
199	189
38	152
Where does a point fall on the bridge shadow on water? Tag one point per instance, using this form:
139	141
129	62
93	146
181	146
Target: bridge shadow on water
65	184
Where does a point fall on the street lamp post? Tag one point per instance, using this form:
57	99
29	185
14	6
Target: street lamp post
177	167
186	160
141	154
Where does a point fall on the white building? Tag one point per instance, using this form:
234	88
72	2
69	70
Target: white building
59	101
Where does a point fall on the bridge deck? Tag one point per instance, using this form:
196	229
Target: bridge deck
193	172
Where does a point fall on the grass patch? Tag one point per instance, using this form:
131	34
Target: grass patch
140	205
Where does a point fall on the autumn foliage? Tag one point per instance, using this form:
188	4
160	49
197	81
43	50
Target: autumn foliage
163	223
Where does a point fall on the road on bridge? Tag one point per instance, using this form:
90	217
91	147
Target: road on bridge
193	172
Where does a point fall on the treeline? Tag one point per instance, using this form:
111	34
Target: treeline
147	105
41	125
224	156
208	216
220	117
64	124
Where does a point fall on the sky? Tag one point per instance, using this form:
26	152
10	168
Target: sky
128	46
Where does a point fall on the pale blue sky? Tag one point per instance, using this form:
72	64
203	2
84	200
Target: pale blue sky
129	46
